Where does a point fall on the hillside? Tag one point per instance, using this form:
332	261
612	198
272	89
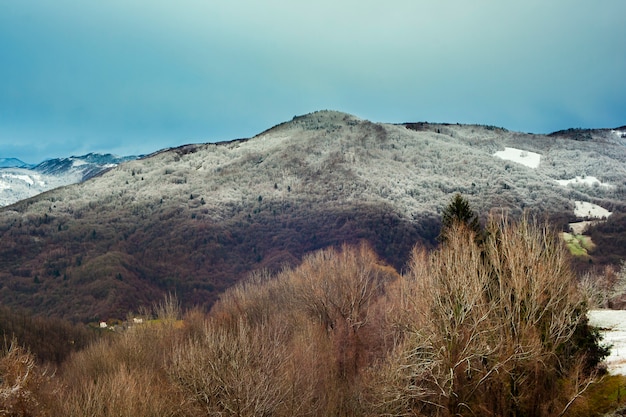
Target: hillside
343	334
194	220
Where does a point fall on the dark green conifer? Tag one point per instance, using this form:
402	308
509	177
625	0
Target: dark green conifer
459	212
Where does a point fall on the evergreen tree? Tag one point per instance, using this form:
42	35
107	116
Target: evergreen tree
459	212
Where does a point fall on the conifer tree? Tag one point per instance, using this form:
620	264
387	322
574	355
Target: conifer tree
459	212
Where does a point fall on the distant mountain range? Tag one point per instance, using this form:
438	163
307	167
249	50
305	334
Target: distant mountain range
13	163
193	220
19	180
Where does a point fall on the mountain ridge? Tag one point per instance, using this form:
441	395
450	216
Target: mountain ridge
12	163
20	180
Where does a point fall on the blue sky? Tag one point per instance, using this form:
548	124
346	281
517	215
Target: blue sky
135	76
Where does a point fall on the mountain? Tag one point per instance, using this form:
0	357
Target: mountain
19	180
85	166
195	219
12	163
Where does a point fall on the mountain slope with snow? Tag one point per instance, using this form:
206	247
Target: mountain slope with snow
195	219
12	163
19	181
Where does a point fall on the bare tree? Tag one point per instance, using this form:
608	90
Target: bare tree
238	372
487	329
338	288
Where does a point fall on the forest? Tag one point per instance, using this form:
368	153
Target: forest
492	322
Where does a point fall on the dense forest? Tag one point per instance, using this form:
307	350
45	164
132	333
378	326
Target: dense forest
487	326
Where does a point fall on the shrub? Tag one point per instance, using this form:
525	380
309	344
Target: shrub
316	326
22	385
125	374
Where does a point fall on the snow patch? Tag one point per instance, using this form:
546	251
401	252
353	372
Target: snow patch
587	180
613	330
78	162
578	228
24	178
520	156
585	209
19	183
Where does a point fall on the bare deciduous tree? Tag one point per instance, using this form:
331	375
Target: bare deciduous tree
488	329
338	288
236	372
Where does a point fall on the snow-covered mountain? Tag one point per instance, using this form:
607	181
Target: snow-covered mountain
195	219
19	180
13	163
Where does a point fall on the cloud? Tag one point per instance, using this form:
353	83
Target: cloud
197	70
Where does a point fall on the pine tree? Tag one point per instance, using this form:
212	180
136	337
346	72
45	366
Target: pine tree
459	212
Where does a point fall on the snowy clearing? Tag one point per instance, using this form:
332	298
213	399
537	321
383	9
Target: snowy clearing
585	209
587	180
78	162
578	228
613	329
529	159
24	178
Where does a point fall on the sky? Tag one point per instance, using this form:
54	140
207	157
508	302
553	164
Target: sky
131	77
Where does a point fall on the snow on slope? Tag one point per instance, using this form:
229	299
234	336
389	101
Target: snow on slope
527	158
339	156
587	180
29	179
613	329
585	209
19	183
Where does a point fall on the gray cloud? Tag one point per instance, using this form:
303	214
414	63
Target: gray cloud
129	76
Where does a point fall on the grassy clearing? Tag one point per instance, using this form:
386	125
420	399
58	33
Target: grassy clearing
606	396
578	245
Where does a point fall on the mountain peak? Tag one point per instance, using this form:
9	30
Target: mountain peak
12	163
323	119
317	120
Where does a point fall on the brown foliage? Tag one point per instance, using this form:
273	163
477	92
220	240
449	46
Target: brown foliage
22	383
470	329
610	240
48	339
325	310
106	264
486	328
239	372
124	375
